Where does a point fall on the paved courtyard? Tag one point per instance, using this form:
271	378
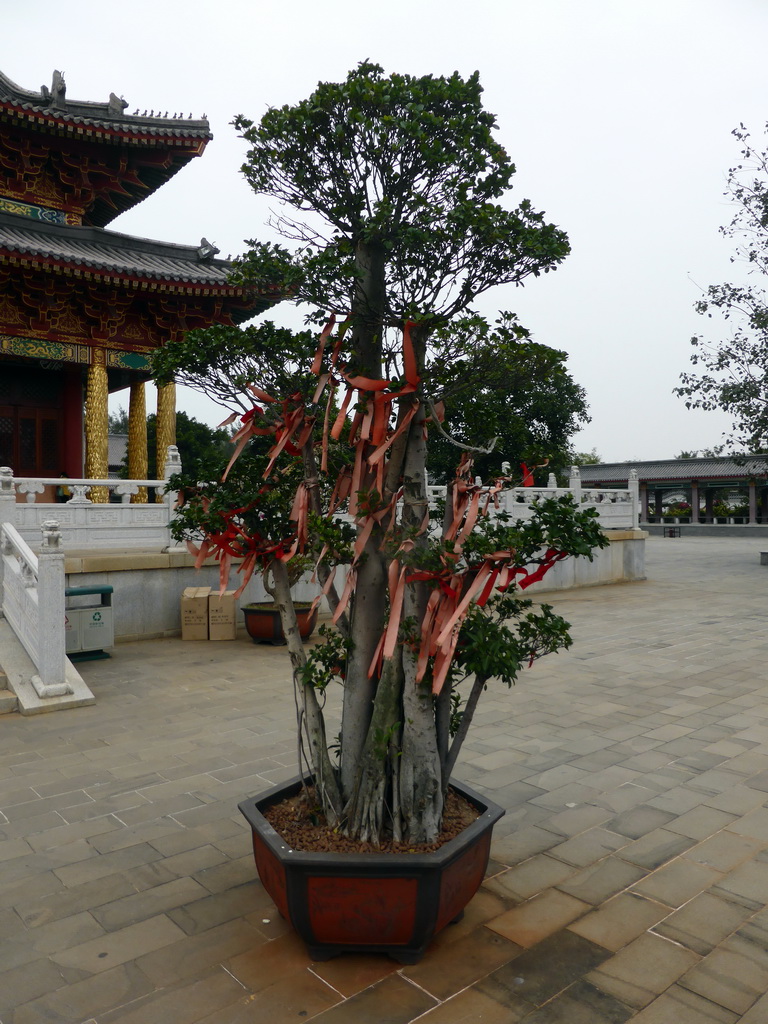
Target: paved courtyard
628	881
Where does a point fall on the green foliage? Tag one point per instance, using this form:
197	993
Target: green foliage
408	166
499	640
590	458
496	382
703	453
336	535
203	449
266	266
456	713
677	510
221	362
117	422
557	523
244	501
735	369
327	660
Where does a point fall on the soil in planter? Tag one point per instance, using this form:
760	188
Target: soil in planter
303	829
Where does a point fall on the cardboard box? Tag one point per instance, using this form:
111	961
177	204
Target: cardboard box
194	613
222	616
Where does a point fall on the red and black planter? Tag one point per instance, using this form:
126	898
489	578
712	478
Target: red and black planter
392	903
263	624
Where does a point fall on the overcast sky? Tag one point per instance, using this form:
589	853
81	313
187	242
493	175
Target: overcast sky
617	114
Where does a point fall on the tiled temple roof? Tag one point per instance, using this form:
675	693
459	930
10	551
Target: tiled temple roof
100	253
51	108
121	158
678	470
101	250
110	160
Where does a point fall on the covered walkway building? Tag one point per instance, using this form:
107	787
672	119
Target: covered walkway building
704	491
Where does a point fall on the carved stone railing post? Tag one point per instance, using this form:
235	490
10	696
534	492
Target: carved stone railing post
574	482
172	466
7	512
7	496
127	490
50	596
633	485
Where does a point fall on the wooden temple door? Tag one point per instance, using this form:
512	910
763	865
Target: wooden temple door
30	423
29	440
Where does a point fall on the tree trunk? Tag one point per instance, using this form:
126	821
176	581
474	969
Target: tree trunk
368	309
366	810
443	702
421	791
443	708
366	625
312	715
369	601
466	720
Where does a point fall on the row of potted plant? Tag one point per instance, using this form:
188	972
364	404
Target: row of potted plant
683	511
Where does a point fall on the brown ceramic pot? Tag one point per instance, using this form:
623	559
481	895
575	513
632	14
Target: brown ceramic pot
262	621
392	903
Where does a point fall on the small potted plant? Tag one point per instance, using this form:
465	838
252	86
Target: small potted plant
262	618
740	512
679	511
220	518
721	511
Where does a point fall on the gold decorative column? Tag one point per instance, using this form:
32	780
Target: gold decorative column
166	428
137	441
97	426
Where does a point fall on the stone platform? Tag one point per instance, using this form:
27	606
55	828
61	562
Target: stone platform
628	882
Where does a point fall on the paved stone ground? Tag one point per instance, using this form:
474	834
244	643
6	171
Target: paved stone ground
629	878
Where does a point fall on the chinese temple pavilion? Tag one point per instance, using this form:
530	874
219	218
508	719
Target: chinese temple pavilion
82	307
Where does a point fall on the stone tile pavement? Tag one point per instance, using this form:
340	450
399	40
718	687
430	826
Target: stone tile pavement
628	881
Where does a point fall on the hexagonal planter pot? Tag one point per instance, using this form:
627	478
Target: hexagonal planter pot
392	903
263	625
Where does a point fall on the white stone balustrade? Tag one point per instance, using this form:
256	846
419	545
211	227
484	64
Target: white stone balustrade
617	508
33	603
86	525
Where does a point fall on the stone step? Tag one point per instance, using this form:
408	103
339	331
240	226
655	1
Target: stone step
19	671
8	701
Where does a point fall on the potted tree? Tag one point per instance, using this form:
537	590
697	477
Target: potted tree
399	177
263	623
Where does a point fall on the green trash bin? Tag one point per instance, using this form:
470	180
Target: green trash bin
89	625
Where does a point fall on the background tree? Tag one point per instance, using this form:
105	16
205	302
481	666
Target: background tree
700	453
117	422
735	369
204	450
590	458
497	383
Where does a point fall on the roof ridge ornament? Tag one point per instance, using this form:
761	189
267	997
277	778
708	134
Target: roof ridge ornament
207	250
58	91
116	105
